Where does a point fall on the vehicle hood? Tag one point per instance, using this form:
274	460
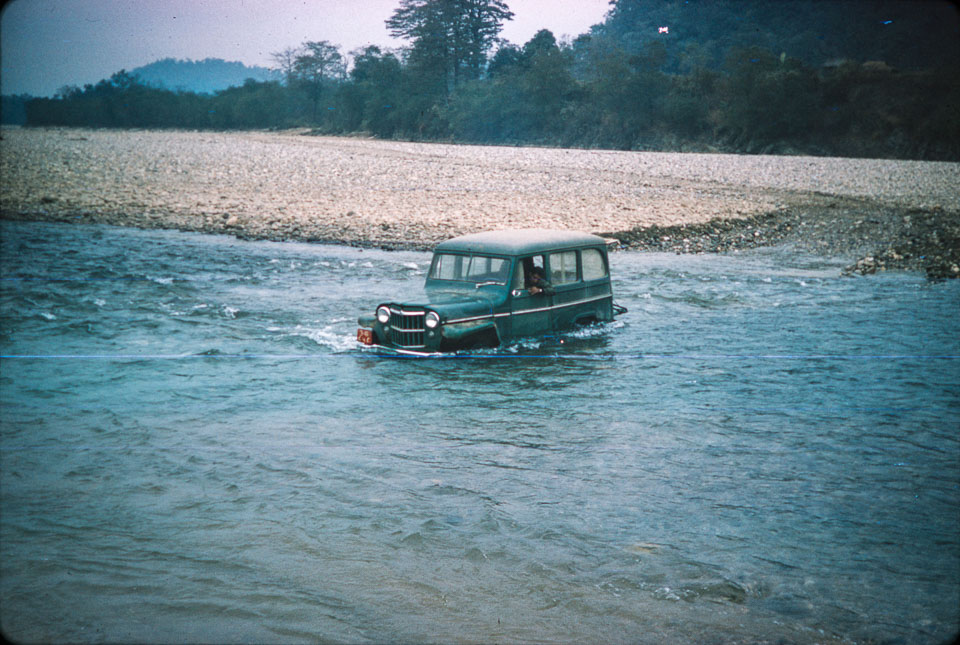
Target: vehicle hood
451	304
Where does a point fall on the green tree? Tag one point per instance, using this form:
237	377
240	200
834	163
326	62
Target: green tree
381	75
504	61
543	43
523	100
314	68
285	61
769	99
548	82
450	38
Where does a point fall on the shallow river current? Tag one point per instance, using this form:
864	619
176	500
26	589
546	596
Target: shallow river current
194	449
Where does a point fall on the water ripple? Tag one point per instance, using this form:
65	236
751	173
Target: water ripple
193	448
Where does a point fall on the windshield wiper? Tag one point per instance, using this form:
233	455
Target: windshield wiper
485	284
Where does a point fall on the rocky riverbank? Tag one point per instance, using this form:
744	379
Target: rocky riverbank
881	214
881	238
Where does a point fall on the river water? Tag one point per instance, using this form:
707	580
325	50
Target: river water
194	449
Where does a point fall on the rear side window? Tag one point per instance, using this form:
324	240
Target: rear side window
593	264
563	267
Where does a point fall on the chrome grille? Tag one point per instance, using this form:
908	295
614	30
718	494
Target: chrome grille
406	328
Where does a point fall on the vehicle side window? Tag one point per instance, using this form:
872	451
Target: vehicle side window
593	264
563	267
525	268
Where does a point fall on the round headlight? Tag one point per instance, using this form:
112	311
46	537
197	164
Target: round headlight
383	315
431	320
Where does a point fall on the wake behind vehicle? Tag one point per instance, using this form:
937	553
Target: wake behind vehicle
488	288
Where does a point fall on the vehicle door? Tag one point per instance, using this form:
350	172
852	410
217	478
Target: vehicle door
564	276
530	312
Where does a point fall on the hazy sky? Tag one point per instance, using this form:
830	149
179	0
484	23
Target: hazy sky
47	44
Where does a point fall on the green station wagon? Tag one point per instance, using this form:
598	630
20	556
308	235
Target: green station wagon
488	288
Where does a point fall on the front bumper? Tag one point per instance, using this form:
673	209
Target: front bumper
444	338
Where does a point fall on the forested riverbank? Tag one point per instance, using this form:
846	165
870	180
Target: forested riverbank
855	82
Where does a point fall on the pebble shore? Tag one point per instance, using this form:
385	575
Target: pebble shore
882	214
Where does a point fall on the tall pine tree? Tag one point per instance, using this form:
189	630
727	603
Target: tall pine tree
450	38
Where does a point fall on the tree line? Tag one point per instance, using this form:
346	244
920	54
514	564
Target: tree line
609	88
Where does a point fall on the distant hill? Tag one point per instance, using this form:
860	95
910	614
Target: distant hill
204	76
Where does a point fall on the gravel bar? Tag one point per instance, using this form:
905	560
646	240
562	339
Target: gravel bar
882	214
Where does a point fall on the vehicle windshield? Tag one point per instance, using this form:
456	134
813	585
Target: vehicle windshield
469	268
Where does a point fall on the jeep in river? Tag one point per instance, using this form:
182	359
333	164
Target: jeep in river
487	288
